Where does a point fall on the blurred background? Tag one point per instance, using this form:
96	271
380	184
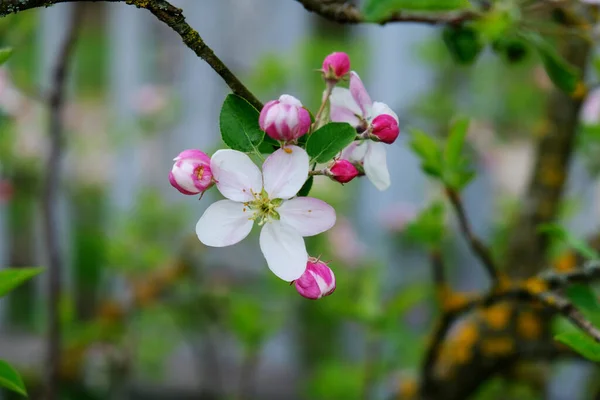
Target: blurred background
148	312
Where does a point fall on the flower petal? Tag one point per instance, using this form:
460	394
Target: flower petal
285	171
284	250
343	108
236	175
360	94
224	223
307	215
381	108
376	165
355	151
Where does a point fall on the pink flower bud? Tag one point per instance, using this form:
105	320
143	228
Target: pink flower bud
343	171
385	128
284	119
191	173
317	280
336	66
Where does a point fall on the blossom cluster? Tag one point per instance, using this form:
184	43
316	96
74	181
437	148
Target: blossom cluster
271	198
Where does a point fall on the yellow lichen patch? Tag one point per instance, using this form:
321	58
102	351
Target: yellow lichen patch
451	300
497	316
535	285
407	389
504	283
529	326
458	349
497	347
566	262
580	91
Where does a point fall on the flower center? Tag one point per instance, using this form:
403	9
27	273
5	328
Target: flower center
264	208
199	172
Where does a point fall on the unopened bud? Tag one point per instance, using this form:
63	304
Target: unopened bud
343	171
191	173
317	280
336	66
385	128
284	119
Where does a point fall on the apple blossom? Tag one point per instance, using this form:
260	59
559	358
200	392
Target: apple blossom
385	128
343	171
317	280
267	199
284	119
335	66
191	173
355	107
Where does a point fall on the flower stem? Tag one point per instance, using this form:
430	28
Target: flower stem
326	95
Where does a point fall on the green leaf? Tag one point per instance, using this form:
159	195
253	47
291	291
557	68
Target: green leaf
305	189
239	125
5	54
428	151
463	42
326	142
428	228
10	278
455	142
375	10
581	343
558	232
583	297
268	145
10	379
564	75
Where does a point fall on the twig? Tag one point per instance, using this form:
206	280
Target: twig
52	183
345	13
476	244
326	95
569	311
437	268
171	16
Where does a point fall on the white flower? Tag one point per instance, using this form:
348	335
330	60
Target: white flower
355	107
267	199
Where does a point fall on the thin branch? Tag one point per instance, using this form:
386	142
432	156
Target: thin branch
171	16
569	311
476	244
56	101
345	13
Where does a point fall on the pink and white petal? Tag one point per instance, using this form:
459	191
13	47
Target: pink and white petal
284	250
224	223
355	151
360	95
285	171
343	107
375	165
381	108
236	176
307	216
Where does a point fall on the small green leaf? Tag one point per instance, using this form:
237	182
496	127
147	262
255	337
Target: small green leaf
10	278
559	233
305	189
583	297
268	145
5	54
564	75
10	379
326	142
375	10
463	42
455	142
428	228
581	343
239	125
428	151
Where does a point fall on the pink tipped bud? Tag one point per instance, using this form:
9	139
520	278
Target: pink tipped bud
284	119
191	173
385	128
317	280
343	171
336	66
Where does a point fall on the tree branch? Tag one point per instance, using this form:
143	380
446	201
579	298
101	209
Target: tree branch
171	16
52	184
476	244
345	13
